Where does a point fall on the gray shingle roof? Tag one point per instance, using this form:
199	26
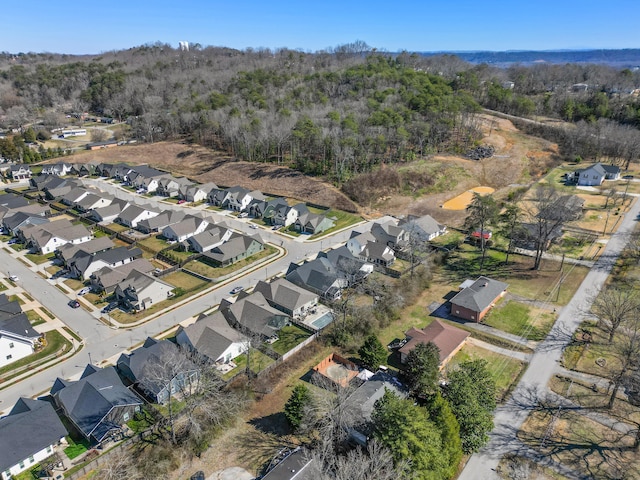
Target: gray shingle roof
212	335
109	277
18	325
254	314
479	295
69	250
283	293
31	426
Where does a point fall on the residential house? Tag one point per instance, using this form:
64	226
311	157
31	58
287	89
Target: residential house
189	226
157	223
260	208
239	198
28	435
287	297
85	264
476	298
423	228
16	222
139	291
213	337
169	186
74	195
101	145
87	169
13	201
105	169
139	173
19	172
312	223
320	276
252	315
285	216
48	237
18	339
595	174
447	338
237	248
93	201
107	278
108	214
199	192
362	401
59	187
68	252
349	267
218	196
366	247
133	214
98	404
389	233
159	371
58	169
120	171
212	237
32	209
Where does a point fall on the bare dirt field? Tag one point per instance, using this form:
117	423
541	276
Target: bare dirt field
204	165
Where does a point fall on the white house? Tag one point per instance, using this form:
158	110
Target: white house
199	193
286	215
209	239
28	435
48	237
139	291
214	338
188	227
239	198
596	174
133	214
17	338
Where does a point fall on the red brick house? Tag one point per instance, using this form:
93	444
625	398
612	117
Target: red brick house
447	338
475	299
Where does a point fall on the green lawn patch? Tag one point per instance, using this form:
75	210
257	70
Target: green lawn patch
289	337
154	243
184	281
141	421
34	318
518	319
199	266
116	227
341	220
259	361
74	284
75	449
15	298
38	259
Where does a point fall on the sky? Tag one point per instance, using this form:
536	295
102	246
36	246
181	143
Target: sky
419	25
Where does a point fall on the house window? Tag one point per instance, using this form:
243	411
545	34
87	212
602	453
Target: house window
457	312
31	459
11	345
21	464
125	417
49	449
9	357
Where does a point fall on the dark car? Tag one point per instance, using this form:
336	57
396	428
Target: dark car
74	303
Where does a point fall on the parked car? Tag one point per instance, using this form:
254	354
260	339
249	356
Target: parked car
13	278
275	227
74	303
253	225
180	202
84	291
12	241
237	290
243	215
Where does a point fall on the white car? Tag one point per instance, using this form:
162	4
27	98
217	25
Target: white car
243	215
13	278
253	225
84	291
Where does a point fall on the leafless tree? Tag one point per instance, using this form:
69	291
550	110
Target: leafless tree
99	135
626	350
614	307
120	465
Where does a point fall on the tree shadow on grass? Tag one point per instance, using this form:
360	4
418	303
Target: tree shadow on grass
274	424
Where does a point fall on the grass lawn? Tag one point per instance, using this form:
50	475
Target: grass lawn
533	284
74	284
154	243
340	219
179	255
289	337
53	269
15	298
583	356
589	447
504	370
38	259
75	449
184	280
55	341
199	266
259	361
116	227
519	319
34	318
141	421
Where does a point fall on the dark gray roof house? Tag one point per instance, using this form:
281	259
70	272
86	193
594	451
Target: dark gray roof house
157	223
252	313
84	264
30	430
319	275
238	246
476	298
298	465
11	201
107	278
213	337
287	297
424	228
98	404
158	370
16	222
68	251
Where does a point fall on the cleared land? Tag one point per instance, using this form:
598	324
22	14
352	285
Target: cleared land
462	201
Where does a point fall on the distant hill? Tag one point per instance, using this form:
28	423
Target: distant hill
628	57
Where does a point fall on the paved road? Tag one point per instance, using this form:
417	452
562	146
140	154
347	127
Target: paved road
101	341
545	361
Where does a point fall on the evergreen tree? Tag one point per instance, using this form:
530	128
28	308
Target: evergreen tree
421	369
443	417
372	353
294	408
471	392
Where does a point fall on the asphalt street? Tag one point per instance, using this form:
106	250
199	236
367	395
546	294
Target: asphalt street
101	341
545	361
